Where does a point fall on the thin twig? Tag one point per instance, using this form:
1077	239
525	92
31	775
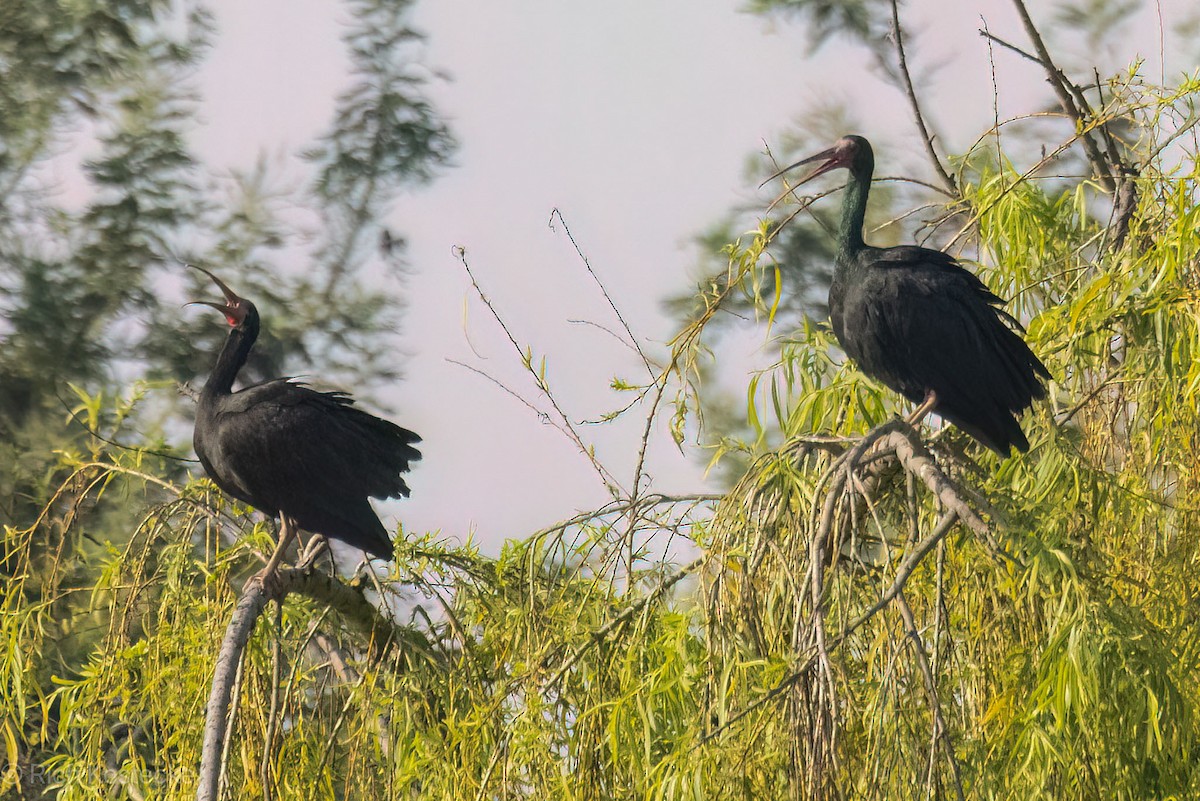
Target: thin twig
491	767
826	698
631	346
660	381
1025	176
75	418
1110	141
542	416
639	468
1068	95
926	136
266	775
991	37
935	706
607	477
632	339
1088	398
995	90
934	740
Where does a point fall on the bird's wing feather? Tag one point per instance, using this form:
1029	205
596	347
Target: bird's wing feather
934	326
284	439
930	261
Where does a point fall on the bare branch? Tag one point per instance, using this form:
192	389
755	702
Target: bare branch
567	427
542	416
991	37
640	467
612	304
1071	100
266	774
926	136
940	730
249	608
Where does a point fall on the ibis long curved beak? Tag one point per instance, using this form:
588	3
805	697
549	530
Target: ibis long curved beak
832	158
232	308
229	294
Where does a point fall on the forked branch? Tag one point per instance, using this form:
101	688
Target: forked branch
1073	103
892	439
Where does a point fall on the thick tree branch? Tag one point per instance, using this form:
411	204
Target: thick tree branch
255	597
237	634
1126	205
917	460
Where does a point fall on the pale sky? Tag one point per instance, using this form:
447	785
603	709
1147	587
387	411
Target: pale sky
635	120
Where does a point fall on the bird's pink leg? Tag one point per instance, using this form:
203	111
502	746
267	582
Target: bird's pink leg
925	408
287	531
315	547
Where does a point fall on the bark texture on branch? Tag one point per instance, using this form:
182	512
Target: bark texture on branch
218	715
216	718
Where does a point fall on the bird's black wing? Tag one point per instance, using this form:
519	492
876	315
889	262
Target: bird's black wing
319	440
315	457
919	322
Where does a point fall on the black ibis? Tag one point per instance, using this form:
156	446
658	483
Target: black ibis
914	319
309	457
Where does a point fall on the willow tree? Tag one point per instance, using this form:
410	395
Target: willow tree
871	611
91	341
943	623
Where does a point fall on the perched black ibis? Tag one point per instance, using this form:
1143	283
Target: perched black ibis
914	319
309	457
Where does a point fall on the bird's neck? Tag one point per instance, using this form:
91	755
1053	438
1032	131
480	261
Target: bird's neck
854	209
233	355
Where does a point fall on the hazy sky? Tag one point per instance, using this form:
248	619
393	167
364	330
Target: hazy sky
634	119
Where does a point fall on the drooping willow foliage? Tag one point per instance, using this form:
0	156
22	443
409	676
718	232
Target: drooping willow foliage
869	612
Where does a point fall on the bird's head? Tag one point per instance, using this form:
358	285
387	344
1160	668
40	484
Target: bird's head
846	152
235	309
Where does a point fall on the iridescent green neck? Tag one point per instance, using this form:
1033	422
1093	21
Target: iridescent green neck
854	205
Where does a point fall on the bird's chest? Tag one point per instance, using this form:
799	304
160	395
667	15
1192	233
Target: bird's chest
862	307
222	455
879	316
